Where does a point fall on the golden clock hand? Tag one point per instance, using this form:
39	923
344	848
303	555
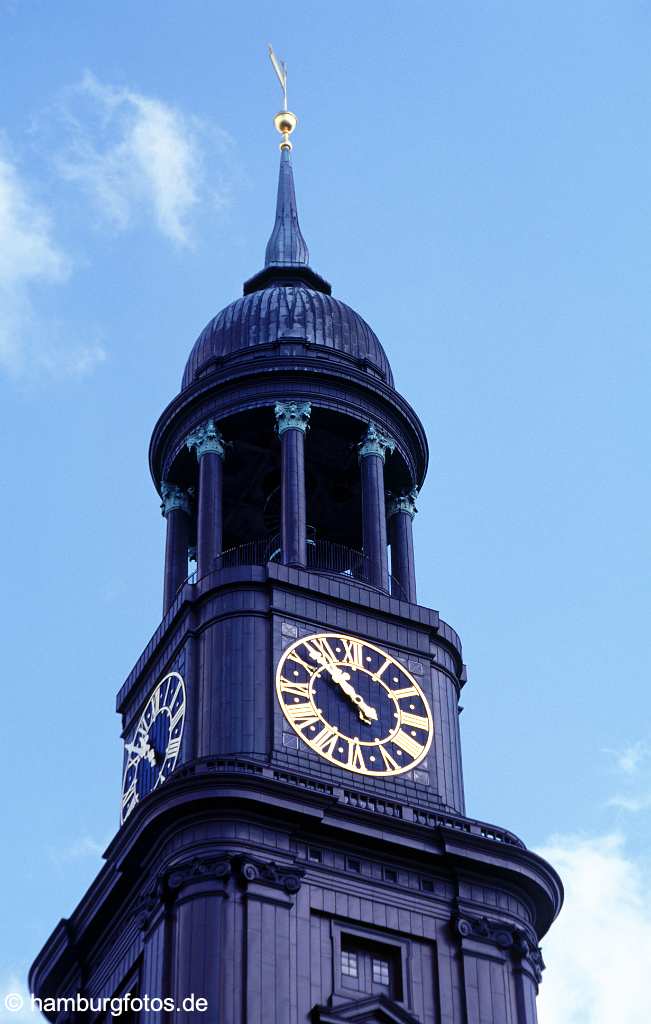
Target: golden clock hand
367	713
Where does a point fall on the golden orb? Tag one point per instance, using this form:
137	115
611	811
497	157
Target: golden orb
285	122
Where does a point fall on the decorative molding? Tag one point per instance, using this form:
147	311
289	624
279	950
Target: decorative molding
403	503
244	870
375	442
292	416
268	873
505	936
148	904
206	438
199	869
173	497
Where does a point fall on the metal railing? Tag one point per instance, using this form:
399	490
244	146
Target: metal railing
323	556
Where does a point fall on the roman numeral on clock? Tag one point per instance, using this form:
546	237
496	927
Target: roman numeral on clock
408	744
406	691
413	721
173	747
129	797
389	763
326	741
295	689
300	715
353	653
355	760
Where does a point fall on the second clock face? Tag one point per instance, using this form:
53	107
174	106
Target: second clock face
354	704
152	754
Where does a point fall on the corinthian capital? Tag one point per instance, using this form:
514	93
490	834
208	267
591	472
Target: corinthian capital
375	442
173	497
206	438
292	416
402	503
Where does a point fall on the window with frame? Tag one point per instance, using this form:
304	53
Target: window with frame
368	966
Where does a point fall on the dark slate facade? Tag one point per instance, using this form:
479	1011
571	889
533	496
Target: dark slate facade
274	872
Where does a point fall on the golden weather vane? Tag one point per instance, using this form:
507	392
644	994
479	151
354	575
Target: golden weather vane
284	121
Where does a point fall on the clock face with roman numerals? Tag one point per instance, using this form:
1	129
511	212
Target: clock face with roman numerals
153	751
354	704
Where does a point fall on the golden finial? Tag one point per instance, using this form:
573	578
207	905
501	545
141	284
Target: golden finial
284	121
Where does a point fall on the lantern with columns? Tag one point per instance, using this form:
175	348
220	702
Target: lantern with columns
322	455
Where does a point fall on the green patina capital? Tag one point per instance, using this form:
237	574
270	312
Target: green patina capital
206	438
292	416
375	442
402	503
173	497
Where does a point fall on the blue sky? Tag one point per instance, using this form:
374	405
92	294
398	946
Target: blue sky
474	180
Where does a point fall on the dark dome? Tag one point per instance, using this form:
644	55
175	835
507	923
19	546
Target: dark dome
286	312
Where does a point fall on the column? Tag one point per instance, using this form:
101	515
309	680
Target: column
199	890
175	507
269	896
208	444
292	420
401	510
372	451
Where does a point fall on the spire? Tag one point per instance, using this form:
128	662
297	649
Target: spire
286	247
287	257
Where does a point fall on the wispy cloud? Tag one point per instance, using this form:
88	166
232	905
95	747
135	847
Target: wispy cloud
630	759
138	157
598	951
30	258
633	804
631	764
82	848
15	1000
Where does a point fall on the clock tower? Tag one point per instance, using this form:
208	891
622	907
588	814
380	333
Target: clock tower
294	844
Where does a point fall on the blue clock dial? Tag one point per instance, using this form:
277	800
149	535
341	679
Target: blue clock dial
152	753
354	704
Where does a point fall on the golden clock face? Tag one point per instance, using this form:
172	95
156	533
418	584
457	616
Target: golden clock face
354	704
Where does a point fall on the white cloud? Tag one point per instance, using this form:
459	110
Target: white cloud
30	258
633	804
15	1000
636	795
629	760
136	155
599	950
79	849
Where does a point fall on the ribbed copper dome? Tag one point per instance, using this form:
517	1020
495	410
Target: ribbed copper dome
291	312
287	301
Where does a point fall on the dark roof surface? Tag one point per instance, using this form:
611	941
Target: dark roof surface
287	312
287	300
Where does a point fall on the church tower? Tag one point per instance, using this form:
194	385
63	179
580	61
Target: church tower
294	845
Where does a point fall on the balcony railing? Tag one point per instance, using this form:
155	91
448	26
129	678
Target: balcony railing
323	556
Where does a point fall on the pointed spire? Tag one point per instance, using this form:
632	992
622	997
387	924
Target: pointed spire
286	247
287	257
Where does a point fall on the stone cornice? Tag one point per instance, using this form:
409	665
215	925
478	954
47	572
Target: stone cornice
258	382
